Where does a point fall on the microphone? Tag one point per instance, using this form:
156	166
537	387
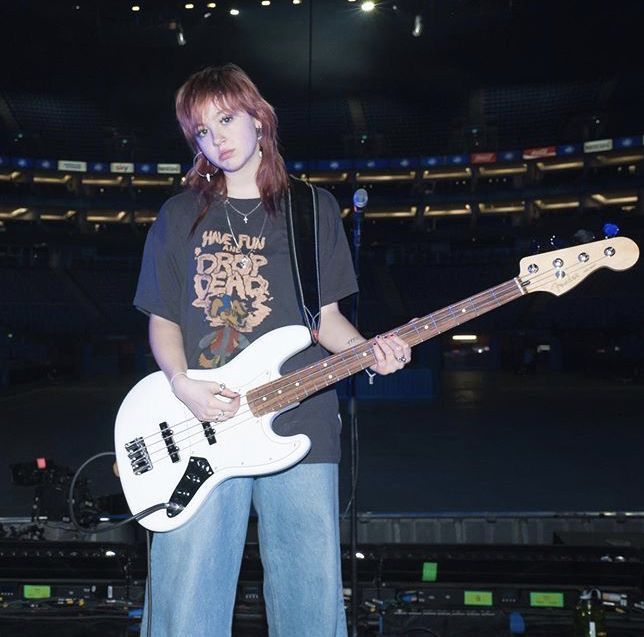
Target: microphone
360	198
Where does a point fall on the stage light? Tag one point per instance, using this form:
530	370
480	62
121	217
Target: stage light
417	31
465	338
266	3
297	1
136	7
181	38
189	6
234	12
212	5
368	6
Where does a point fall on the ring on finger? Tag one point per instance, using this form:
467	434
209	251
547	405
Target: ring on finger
401	359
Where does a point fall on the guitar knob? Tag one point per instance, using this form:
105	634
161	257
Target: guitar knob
584	257
558	262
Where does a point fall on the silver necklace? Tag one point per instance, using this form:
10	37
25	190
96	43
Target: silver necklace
227	202
245	257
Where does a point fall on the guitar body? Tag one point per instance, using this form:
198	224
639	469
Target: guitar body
151	472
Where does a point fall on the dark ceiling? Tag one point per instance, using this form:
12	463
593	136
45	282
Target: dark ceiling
325	49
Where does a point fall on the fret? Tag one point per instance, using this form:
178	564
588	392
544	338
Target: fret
298	385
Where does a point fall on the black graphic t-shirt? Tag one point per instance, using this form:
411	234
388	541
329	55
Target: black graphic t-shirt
230	282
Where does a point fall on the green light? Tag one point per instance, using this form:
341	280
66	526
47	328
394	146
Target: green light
36	591
547	600
478	598
430	571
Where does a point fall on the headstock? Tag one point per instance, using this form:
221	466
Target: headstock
561	270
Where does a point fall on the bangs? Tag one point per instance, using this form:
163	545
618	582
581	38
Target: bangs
227	94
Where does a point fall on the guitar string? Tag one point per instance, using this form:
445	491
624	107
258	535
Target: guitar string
408	329
352	353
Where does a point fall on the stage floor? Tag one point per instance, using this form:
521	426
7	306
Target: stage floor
490	442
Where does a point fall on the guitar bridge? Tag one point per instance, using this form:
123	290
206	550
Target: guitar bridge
197	472
139	457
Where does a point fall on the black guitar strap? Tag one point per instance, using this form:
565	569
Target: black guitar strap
302	224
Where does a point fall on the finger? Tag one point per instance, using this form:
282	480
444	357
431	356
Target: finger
228	393
402	350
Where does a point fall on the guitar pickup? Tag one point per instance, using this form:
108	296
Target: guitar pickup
139	457
209	432
168	438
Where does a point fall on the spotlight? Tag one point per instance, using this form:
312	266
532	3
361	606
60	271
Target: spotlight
212	5
234	12
136	7
266	3
368	6
181	38
297	1
417	31
189	5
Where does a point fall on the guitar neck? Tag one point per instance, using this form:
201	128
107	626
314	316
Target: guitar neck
296	386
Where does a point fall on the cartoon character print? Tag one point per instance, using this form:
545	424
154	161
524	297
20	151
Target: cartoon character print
232	293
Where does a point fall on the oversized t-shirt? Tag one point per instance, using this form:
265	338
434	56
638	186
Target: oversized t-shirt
230	282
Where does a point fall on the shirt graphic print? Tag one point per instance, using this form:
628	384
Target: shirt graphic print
231	291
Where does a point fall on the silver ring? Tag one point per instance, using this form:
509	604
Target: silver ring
402	359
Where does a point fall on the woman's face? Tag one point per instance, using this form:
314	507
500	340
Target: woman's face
229	139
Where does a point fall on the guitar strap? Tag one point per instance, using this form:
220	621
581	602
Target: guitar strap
302	223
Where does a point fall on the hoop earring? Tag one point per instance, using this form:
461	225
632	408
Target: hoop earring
259	134
205	176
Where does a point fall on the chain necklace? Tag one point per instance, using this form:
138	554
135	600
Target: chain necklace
227	202
245	257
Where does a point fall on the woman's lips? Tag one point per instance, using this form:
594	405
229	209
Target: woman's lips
227	154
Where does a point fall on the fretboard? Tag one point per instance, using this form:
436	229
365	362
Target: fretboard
296	386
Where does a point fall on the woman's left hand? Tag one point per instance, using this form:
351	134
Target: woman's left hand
392	354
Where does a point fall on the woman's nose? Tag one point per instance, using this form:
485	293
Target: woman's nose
217	138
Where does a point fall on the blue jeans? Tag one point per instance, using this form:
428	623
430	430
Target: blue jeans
195	568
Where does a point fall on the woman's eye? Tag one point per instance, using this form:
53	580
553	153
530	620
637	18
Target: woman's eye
226	119
201	132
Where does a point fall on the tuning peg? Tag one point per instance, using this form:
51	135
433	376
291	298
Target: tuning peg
610	230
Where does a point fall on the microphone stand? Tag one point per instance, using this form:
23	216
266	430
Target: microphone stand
353	419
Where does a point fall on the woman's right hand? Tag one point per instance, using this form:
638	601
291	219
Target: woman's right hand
205	399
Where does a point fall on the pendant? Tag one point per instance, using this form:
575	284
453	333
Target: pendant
245	219
243	261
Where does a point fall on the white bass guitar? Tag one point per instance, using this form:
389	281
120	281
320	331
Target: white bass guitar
169	461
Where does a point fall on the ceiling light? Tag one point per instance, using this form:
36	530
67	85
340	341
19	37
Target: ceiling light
136	7
368	6
266	3
189	5
234	12
297	1
417	31
212	5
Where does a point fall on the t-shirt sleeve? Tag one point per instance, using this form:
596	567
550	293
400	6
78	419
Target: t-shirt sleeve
337	277
159	287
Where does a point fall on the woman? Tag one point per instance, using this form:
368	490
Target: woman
216	275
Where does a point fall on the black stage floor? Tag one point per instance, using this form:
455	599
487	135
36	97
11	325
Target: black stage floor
489	442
